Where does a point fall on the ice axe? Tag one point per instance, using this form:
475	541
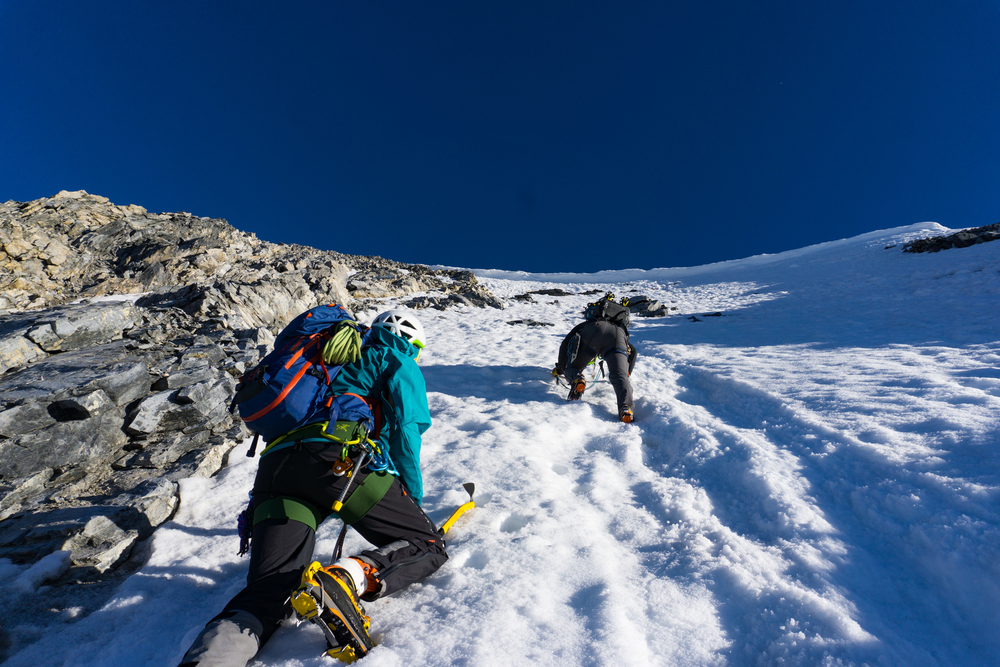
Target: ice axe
470	489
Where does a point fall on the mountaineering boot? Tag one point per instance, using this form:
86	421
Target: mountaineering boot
328	597
625	414
576	388
372	581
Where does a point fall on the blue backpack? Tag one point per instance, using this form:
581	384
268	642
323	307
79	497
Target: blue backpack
288	389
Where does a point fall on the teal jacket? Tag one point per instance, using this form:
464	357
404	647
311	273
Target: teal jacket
388	371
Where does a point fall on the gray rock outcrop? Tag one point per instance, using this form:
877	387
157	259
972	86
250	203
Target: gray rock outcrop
82	428
76	245
960	239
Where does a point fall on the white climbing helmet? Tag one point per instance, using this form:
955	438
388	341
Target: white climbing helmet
402	323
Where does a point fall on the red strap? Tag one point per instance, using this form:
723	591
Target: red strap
281	396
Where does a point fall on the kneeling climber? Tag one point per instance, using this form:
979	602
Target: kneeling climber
358	403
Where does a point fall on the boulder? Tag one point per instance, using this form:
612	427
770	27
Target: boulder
146	417
16	351
25	418
88	442
100	545
92	404
114	368
644	306
161	454
154	502
85	325
23	490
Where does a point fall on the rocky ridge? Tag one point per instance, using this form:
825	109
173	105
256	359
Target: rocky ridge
960	239
122	333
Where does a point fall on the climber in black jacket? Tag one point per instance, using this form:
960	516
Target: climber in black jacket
603	334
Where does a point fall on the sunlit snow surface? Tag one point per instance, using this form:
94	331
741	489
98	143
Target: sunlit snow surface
812	479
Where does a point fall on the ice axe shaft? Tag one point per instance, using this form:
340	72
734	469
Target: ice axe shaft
470	488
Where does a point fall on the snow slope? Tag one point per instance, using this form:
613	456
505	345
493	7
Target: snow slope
812	479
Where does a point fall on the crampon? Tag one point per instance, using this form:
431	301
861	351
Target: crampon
327	598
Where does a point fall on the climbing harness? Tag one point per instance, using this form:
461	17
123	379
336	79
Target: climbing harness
360	456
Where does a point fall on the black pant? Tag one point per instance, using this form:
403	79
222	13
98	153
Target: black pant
609	341
408	547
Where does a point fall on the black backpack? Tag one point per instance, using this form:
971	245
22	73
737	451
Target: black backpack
605	309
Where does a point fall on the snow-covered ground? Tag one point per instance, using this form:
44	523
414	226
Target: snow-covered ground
812	479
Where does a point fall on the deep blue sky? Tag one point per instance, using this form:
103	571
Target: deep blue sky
534	135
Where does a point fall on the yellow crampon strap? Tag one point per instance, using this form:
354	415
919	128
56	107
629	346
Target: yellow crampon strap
302	602
344	346
343	653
